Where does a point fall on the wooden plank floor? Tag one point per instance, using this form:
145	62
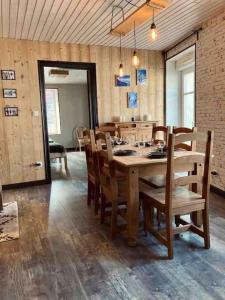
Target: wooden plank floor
63	252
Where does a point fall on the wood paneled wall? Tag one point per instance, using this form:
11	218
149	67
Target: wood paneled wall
21	142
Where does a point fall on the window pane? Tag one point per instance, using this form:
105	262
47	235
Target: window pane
189	82
52	107
189	111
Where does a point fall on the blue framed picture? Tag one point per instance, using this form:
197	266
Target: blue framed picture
141	76
132	101
123	80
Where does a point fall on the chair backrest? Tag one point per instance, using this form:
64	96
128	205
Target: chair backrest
110	129
160	129
185	146
193	163
91	154
108	181
80	132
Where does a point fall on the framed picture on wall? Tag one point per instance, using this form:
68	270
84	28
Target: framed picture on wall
9	93
123	80
11	111
141	76
8	74
132	101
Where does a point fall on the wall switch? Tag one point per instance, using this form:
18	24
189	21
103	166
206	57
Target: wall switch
35	113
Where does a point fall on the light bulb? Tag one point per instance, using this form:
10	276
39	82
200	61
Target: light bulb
121	70
153	32
135	59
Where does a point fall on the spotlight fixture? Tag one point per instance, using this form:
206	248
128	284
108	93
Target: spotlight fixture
135	58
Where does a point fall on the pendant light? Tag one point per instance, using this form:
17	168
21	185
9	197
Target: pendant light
135	58
153	31
121	65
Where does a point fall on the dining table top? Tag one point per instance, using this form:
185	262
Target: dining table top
140	157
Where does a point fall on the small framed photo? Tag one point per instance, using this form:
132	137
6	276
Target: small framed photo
9	93
8	75
141	76
123	80
132	101
11	111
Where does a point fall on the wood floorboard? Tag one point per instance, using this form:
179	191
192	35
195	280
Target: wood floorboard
64	253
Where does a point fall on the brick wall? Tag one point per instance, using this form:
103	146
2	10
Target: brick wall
210	87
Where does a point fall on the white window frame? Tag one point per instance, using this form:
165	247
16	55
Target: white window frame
184	72
57	112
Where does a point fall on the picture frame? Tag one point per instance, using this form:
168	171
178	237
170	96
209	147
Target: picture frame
8	74
132	100
122	81
9	93
141	76
11	111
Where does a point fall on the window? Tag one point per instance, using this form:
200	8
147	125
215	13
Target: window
52	107
188	98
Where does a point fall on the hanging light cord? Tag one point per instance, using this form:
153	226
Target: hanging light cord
120	49
134	37
153	15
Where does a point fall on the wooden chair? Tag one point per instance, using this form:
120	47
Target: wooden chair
112	185
1	198
160	180
79	137
92	169
176	200
182	130
156	130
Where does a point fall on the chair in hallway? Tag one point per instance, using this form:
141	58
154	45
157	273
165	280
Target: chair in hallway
78	136
177	199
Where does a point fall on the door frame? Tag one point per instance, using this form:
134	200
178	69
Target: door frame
92	100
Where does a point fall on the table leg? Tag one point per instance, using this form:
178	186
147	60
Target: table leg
132	206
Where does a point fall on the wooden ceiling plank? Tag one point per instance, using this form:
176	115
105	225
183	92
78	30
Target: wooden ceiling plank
58	18
28	18
53	11
43	18
5	18
14	7
36	17
91	9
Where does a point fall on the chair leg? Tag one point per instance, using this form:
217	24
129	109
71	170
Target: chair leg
205	217
65	162
177	220
89	193
169	233
80	146
148	213
158	217
114	220
102	217
96	199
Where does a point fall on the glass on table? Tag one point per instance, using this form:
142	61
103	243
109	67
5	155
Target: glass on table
161	145
141	146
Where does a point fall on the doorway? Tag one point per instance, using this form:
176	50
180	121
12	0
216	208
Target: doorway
180	89
68	100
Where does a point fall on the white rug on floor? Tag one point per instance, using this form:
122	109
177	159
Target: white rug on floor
9	225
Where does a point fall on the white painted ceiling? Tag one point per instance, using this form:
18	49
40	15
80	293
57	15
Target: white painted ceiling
88	21
74	77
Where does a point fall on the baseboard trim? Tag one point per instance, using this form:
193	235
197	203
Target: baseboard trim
24	184
217	191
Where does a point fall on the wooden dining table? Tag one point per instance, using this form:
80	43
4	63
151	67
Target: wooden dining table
136	166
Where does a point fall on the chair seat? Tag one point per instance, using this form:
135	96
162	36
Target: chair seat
183	200
158	181
155	181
